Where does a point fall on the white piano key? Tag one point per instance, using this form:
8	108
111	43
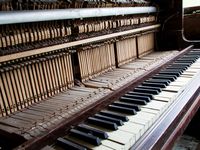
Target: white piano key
172	88
136	129
125	138
86	144
166	94
112	145
142	121
192	70
160	98
156	105
144	115
178	83
102	147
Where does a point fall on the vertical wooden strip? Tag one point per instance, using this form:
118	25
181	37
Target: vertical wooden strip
59	66
25	84
43	79
89	63
39	80
112	55
24	98
55	75
58	71
84	76
63	70
30	72
66	69
7	91
85	64
48	77
15	91
4	95
8	40
2	108
11	92
28	86
71	75
35	79
92	62
50	65
80	64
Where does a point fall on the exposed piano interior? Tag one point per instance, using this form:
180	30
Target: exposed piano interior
95	74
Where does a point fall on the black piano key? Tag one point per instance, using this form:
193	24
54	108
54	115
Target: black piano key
103	117
66	144
114	115
128	105
146	96
165	82
191	55
133	101
177	65
85	137
193	52
150	87
181	70
93	131
122	109
103	123
173	70
181	64
170	73
152	84
160	76
149	91
185	60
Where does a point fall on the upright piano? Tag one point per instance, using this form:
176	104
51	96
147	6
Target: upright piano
95	74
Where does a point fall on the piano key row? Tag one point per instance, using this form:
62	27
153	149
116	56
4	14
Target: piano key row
118	126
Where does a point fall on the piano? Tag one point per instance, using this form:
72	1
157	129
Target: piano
95	74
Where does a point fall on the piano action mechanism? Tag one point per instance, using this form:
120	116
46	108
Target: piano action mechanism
90	74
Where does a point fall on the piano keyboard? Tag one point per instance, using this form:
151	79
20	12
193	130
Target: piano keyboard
124	121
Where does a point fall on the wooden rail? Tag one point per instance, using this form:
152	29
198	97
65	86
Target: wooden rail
74	43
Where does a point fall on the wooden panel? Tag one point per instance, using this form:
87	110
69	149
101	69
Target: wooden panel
145	44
